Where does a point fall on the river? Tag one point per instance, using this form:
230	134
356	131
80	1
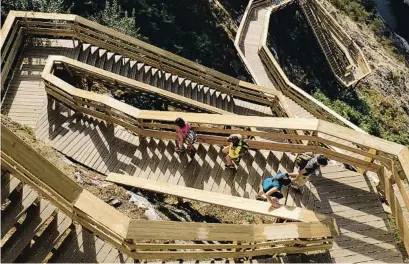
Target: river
396	15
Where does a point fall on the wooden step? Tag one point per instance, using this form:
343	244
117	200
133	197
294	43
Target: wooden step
147	74
126	62
28	197
22	238
45	243
84	54
8	186
101	58
117	64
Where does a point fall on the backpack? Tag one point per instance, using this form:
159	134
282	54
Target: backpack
244	147
302	160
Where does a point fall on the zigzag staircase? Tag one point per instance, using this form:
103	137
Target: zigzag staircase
335	58
105	147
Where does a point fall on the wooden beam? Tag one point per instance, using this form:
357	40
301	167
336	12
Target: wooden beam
245	204
102	213
146	229
47	172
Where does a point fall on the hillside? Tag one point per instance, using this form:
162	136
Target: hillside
377	103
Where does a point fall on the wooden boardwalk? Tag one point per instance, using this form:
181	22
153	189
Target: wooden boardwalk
24	205
106	148
250	46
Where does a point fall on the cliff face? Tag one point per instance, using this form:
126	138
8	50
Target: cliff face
390	76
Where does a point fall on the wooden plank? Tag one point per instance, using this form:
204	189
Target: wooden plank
90	256
24	154
403	157
46	210
65	250
137	157
168	164
84	244
77	142
125	158
139	230
90	147
122	143
9	187
225	254
359	138
49	238
103	253
105	134
254	206
110	151
28	197
86	141
102	213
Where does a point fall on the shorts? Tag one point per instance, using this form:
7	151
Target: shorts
191	137
277	195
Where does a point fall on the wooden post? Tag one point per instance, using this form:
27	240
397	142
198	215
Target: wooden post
369	159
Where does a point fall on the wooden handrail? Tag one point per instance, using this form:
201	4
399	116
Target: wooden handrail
140	121
28	165
302	98
81	99
114	112
292	213
114	41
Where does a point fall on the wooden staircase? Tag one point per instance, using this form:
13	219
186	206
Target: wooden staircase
108	148
35	231
124	66
335	59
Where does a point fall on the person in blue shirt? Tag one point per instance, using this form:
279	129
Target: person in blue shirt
271	188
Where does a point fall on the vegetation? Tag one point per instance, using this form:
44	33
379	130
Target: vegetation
184	27
235	8
306	66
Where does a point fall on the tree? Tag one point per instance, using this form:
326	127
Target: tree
48	6
112	16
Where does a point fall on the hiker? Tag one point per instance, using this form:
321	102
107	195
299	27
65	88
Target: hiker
353	70
235	150
185	134
271	188
308	166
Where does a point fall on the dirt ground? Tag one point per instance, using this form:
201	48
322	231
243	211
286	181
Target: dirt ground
166	206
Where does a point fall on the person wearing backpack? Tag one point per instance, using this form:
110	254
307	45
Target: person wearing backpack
185	134
235	150
271	188
308	165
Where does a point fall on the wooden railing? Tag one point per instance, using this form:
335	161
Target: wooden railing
132	236
298	95
343	37
280	79
389	160
336	56
19	24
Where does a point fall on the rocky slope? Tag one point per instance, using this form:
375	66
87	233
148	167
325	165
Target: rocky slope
390	76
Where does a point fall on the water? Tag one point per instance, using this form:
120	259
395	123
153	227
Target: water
385	10
396	15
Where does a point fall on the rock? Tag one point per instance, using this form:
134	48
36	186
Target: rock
115	203
142	202
78	177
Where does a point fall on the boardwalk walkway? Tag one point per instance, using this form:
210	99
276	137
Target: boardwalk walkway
347	196
106	148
